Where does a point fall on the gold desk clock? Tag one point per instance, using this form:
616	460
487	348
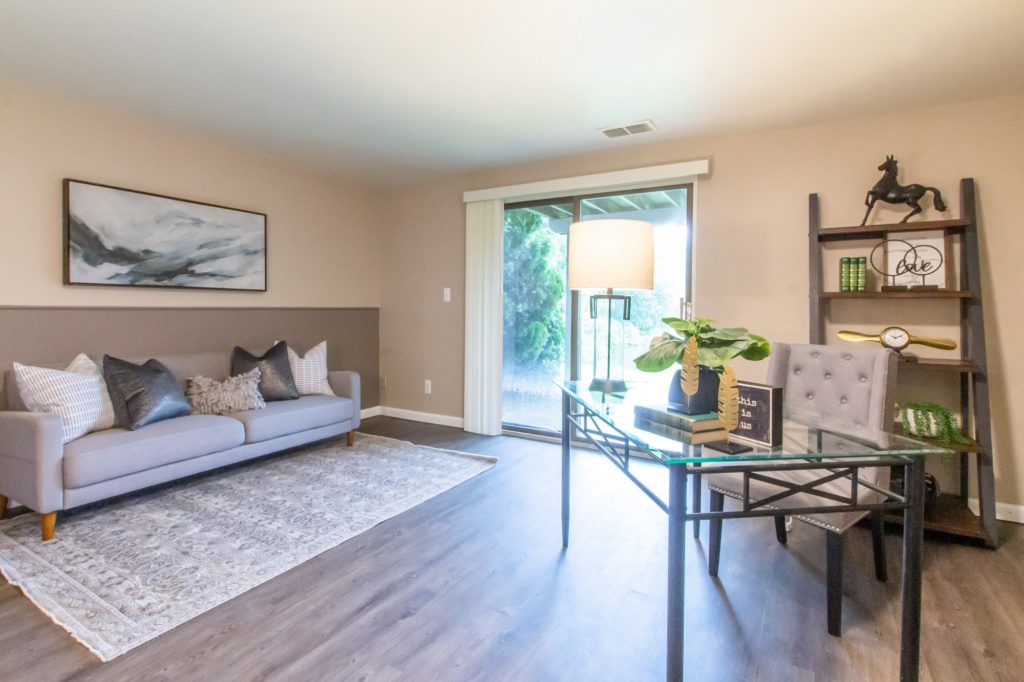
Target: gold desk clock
897	339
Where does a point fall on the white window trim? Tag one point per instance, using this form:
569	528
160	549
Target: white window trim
632	178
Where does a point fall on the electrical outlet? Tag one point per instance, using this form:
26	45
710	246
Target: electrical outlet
447	295
426	386
383	381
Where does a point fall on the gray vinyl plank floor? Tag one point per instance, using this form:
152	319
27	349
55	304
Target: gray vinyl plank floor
473	585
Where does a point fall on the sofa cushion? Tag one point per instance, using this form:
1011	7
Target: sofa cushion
310	370
234	394
283	418
143	394
74	397
108	454
276	381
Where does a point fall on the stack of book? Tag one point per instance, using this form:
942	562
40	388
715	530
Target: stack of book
688	428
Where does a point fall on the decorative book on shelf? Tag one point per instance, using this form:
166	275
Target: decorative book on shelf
664	414
681	435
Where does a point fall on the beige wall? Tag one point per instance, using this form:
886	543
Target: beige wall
751	241
324	247
421	336
56	334
335	243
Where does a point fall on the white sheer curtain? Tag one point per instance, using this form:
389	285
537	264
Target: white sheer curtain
485	221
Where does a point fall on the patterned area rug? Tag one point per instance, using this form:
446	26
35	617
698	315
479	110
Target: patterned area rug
120	574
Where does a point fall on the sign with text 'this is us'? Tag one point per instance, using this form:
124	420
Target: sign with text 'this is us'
760	414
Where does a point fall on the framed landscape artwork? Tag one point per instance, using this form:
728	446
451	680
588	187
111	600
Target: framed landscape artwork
120	237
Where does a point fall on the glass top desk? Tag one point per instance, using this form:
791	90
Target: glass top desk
607	423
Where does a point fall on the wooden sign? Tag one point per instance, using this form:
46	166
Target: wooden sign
760	414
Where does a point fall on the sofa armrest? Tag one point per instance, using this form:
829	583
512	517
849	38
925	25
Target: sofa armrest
346	385
32	460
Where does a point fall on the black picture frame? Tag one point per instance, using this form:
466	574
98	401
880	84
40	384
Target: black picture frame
760	423
83	248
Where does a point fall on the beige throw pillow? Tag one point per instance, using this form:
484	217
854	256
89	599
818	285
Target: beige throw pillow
83	364
234	394
73	397
310	371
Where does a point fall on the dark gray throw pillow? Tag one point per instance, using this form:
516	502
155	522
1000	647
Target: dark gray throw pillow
276	381
143	394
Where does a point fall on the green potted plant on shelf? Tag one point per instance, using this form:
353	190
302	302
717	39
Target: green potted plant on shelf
931	420
702	351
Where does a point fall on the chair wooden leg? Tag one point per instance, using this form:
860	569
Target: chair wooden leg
715	533
48	522
351	438
3	507
878	542
780	528
834	570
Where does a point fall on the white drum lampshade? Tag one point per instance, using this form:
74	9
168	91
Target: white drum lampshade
611	254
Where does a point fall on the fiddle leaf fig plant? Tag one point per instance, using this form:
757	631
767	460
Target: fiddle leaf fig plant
715	347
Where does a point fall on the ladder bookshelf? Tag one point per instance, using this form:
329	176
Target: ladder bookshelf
951	514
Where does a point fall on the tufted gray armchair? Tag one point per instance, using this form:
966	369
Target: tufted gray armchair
842	390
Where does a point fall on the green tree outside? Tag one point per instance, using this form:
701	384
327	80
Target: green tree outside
534	296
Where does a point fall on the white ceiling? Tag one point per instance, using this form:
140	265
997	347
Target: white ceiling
390	90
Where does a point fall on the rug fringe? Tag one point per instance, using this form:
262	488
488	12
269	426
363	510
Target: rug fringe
61	616
470	455
49	614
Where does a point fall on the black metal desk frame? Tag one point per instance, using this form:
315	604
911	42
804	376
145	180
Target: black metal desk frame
618	447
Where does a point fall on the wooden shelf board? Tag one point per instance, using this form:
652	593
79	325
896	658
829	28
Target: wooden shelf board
949	516
909	293
941	365
868	231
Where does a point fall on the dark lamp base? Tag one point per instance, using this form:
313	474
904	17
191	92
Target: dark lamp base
728	447
601	385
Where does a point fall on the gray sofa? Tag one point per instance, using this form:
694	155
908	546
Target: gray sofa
47	476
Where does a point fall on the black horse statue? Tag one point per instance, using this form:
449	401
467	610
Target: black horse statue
892	192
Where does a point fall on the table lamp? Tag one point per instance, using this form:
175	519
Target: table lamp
610	254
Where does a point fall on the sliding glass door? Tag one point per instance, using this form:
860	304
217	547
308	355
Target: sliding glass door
535	350
548	330
667	210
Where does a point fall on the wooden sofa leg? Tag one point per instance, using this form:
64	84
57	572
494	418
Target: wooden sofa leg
48	522
351	438
3	507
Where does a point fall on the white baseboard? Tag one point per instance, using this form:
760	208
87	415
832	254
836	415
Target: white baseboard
1004	512
413	415
368	412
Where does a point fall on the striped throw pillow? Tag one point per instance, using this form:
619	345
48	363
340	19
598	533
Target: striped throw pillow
74	397
310	371
83	364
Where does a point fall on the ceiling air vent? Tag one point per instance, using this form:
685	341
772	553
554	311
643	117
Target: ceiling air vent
630	129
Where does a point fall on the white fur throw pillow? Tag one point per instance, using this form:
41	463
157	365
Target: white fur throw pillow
234	394
310	371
